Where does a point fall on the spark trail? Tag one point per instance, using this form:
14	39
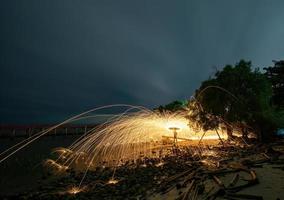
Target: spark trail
130	136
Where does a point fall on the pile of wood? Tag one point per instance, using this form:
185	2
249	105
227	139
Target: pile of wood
239	163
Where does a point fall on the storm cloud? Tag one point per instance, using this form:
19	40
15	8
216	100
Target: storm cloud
60	58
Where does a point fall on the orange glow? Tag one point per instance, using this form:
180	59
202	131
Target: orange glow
130	137
112	181
75	190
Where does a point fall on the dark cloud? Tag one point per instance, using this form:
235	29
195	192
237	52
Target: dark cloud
59	58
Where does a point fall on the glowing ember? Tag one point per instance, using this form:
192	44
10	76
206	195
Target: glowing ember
159	164
51	163
62	150
112	181
75	190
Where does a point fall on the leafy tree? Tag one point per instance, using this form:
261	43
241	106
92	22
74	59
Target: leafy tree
199	118
173	106
239	96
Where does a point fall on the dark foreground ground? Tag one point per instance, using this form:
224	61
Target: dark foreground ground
24	169
254	172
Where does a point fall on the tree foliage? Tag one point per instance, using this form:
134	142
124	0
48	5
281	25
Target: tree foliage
275	75
236	95
173	106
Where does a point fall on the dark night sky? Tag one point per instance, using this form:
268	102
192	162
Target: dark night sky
62	57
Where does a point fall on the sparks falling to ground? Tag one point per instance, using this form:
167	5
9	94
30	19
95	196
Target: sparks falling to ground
131	136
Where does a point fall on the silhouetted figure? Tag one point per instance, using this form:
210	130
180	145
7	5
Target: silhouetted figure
174	129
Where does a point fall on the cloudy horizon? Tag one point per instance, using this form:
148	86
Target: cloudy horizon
60	58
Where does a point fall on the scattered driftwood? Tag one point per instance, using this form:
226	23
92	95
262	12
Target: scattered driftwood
236	161
233	160
189	190
234	181
165	187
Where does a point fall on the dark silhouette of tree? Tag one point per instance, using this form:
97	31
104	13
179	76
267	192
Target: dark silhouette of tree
238	96
173	106
199	118
275	75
